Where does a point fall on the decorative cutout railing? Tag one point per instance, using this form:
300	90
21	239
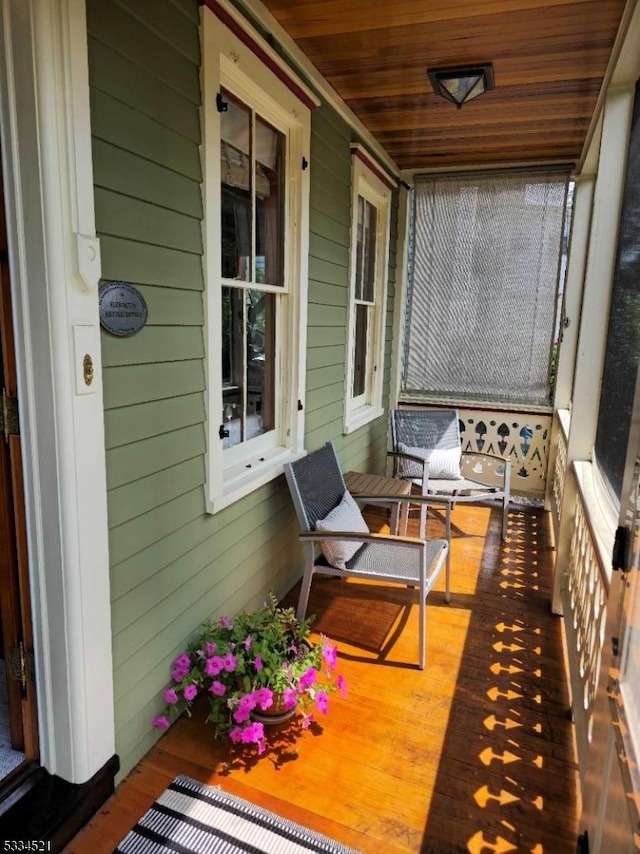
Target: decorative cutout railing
521	436
585	616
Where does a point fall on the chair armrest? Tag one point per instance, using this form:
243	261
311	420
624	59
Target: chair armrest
490	463
398	499
406	456
496	457
359	536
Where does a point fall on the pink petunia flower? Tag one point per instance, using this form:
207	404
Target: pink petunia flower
171	696
289	698
210	648
308	678
183	661
306	721
248	701
322	702
214	665
263	698
161	722
330	655
253	733
258	663
247	642
236	735
342	685
190	692
241	715
246	705
178	675
230	662
218	689
226	623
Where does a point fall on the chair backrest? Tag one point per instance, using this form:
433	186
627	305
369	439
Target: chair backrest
316	485
425	428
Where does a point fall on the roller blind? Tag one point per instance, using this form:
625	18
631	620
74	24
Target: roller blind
483	290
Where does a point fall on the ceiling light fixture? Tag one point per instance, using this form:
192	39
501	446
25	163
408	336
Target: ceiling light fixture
461	83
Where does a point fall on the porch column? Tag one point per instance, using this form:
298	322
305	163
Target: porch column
580	229
400	300
55	268
598	285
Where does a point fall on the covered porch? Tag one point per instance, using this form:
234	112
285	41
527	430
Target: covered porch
509	739
476	753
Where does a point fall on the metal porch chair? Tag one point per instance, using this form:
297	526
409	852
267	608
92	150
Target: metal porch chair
427	451
318	492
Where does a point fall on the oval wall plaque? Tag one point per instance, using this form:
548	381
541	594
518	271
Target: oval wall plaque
123	310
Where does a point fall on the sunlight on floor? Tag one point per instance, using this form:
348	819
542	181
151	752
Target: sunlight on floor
516	663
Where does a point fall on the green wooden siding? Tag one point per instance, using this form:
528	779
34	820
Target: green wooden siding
172	564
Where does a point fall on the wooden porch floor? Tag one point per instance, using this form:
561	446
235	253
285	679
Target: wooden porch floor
474	754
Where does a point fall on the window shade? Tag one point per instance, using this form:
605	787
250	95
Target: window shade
484	278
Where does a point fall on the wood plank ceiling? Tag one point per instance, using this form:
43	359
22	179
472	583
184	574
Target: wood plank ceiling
549	59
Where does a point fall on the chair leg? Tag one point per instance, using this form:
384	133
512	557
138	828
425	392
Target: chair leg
395	517
505	517
423	633
447	571
305	588
404	518
423	612
423	521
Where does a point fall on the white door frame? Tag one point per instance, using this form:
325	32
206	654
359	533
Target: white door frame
55	268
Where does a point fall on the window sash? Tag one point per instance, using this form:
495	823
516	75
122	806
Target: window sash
249	359
371	207
362	353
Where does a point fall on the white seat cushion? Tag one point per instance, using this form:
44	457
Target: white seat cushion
346	516
443	464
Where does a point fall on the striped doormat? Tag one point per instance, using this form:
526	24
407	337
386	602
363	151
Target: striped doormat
191	818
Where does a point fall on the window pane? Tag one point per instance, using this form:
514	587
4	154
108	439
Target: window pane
235	175
358	282
369	253
360	354
269	173
232	366
261	309
248	364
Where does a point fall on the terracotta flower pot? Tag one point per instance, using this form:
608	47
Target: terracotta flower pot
277	713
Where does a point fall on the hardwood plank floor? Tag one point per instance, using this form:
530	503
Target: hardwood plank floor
473	754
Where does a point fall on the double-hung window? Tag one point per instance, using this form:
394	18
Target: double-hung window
370	216
256	147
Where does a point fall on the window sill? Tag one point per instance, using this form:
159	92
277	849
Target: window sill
241	480
360	417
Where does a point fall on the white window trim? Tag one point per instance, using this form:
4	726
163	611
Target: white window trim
231	63
367	181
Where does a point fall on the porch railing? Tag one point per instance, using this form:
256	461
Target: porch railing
560	468
585	602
